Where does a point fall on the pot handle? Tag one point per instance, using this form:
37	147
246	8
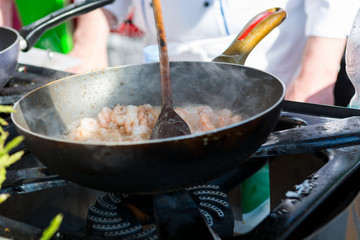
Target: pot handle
32	32
254	31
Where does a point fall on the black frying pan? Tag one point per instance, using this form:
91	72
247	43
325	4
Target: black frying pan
44	115
12	41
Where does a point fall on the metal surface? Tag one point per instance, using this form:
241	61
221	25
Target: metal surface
9	51
123	216
311	139
177	216
11	42
325	194
44	116
25	79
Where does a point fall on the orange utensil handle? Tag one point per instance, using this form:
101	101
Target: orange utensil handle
254	31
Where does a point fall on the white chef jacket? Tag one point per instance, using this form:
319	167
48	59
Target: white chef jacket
200	30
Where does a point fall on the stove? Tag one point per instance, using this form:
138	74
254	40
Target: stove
310	191
25	79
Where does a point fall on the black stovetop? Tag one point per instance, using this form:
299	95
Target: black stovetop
296	211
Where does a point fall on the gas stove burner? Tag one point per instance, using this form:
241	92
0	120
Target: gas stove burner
214	206
120	216
112	217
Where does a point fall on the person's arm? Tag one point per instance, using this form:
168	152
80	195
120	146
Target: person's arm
6	12
90	41
91	35
320	65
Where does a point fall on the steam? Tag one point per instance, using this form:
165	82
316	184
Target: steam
41	118
55	108
243	90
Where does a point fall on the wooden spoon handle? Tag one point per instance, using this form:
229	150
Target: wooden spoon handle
163	55
255	30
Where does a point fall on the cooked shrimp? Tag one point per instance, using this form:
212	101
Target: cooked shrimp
206	124
86	130
236	118
226	113
104	116
182	113
135	123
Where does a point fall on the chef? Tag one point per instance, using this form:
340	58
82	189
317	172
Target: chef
304	51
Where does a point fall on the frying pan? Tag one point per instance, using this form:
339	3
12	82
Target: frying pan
11	41
44	115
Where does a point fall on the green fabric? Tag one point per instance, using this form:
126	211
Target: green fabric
255	190
58	39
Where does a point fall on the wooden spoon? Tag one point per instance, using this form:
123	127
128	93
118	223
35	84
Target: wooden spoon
169	123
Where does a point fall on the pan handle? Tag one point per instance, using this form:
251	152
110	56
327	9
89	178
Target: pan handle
254	31
32	32
310	139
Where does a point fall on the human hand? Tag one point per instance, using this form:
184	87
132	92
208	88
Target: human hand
91	59
90	42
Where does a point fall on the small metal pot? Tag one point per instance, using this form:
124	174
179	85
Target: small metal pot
11	41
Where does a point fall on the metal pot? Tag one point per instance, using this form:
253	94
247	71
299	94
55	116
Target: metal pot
11	41
44	115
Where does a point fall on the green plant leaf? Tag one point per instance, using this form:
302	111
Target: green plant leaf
13	158
53	227
13	144
5	159
3	197
2	175
6	109
3	122
3	137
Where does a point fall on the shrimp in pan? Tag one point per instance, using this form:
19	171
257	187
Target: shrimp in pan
134	123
